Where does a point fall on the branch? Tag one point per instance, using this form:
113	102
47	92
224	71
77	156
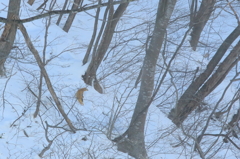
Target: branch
46	77
225	137
63	12
234	12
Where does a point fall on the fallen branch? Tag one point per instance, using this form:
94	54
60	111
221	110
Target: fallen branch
45	75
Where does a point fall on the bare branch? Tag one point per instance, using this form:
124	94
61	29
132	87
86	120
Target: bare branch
5	20
45	75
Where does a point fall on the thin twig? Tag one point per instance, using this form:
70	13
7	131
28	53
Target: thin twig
46	77
62	12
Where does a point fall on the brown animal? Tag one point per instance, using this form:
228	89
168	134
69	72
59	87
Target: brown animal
79	95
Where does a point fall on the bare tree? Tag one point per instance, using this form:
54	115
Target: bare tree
100	48
202	86
134	144
131	44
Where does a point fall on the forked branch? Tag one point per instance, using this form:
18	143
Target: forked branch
46	77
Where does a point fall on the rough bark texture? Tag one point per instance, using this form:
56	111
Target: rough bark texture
71	16
9	33
90	75
200	20
201	87
134	144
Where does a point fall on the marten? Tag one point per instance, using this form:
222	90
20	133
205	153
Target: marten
79	95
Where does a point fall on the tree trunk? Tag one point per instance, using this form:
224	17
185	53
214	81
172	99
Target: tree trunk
200	88
71	16
223	69
61	14
200	20
134	145
9	33
30	2
90	75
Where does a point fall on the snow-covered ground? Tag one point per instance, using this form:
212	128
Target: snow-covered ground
103	116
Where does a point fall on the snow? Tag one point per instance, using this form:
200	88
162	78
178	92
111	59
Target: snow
118	101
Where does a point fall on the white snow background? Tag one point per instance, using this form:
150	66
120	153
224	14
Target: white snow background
18	104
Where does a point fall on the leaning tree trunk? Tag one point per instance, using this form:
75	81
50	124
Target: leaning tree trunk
200	20
203	85
46	77
90	76
71	16
134	144
9	33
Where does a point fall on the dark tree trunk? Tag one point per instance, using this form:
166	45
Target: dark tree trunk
200	20
134	144
71	16
61	14
200	88
30	2
9	33
90	75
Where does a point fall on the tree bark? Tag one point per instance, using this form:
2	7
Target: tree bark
90	76
200	20
200	88
134	144
63	8
71	16
30	2
9	33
